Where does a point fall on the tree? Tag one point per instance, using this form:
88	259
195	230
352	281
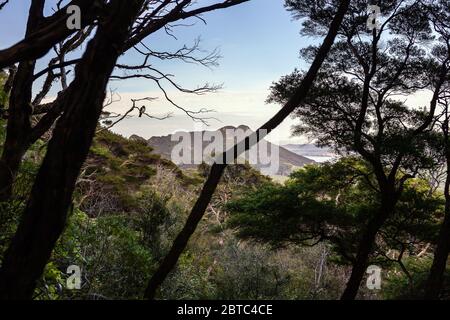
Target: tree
217	169
356	107
45	215
332	203
23	132
435	279
19	111
77	110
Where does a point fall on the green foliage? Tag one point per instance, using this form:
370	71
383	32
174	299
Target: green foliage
249	272
158	220
11	210
9	218
133	204
399	286
3	94
117	168
3	103
114	261
121	146
314	198
333	203
190	279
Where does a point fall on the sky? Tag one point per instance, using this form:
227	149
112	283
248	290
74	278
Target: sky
258	42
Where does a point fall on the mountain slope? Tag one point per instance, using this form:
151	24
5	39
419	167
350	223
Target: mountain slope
288	160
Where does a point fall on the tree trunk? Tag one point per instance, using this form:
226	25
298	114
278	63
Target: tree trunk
46	212
9	166
366	246
433	286
19	111
216	172
435	279
360	265
18	128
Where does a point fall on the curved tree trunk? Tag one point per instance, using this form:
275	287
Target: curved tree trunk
216	172
46	213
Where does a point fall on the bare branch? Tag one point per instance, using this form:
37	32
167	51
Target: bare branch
3	4
141	110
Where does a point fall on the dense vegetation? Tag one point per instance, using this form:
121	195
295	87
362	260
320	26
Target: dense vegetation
273	241
72	192
128	207
331	204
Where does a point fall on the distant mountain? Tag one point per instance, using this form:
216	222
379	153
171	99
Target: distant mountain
288	160
311	151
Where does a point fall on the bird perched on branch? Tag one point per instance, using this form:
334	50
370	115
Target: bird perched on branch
141	111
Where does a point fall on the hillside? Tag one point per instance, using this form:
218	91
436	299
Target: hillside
116	170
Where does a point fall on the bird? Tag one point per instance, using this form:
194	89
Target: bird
141	111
